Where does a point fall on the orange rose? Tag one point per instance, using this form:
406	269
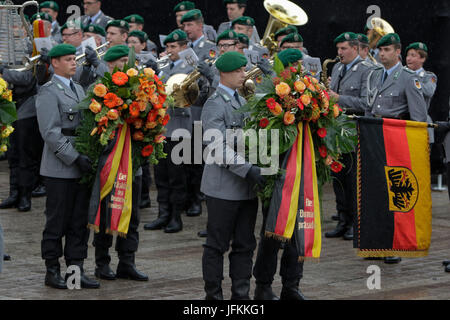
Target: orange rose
283	89
113	114
306	100
149	72
161	112
336	111
152	115
119	78
132	72
277	110
299	86
111	100
100	90
150	124
288	118
95	107
138	136
138	123
312	88
164	120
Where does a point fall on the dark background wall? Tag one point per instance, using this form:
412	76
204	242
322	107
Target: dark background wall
426	21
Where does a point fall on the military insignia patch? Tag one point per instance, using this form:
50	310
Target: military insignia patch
212	54
91	29
122	23
265	56
175	36
347	36
258	80
417	84
182	7
433	79
133	19
402	187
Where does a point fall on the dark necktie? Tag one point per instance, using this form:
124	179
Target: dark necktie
172	65
342	75
72	86
236	95
385	75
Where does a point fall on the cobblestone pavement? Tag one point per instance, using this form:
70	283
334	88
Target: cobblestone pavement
173	261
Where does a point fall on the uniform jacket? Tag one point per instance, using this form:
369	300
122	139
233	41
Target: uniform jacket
353	86
56	113
227	25
56	33
400	96
204	49
210	33
429	83
101	21
226	180
24	90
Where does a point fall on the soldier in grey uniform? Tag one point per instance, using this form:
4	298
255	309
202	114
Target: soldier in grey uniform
182	8
416	56
228	184
72	33
94	15
62	167
236	9
246	26
136	22
170	178
52	8
348	87
364	50
394	91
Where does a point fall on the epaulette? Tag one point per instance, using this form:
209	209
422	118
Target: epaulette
408	70
47	84
367	64
225	97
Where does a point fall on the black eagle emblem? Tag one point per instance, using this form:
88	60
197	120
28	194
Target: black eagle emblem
402	189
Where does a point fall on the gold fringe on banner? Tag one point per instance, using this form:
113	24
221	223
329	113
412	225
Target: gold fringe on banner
93	227
391	253
276	236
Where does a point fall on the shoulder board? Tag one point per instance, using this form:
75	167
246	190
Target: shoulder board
367	64
408	70
210	42
47	84
225	97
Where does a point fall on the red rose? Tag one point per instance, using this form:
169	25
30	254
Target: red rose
293	70
323	151
300	104
322	132
271	103
336	167
264	122
147	151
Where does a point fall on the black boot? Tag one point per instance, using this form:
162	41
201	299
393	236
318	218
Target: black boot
53	276
24	203
163	218
264	292
12	200
195	208
392	260
335	217
240	289
105	272
348	235
339	231
126	269
202	233
291	291
39	191
102	261
175	223
213	291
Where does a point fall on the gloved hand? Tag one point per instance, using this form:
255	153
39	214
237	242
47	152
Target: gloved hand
254	175
151	63
2	68
265	66
44	56
91	57
206	70
443	126
84	163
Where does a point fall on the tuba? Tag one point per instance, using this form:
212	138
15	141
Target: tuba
378	29
282	13
13	46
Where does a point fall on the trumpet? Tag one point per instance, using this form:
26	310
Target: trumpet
164	61
97	50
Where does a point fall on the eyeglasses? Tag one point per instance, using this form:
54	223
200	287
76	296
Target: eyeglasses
226	45
70	34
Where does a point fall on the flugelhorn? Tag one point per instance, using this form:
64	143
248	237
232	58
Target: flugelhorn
249	87
164	61
97	51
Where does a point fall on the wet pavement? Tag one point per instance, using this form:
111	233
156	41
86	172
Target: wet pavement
173	261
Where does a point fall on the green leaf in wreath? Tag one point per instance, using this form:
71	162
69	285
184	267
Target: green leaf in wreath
8	113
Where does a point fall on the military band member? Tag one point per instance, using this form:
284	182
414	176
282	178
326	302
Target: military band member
243	43
372	34
246	25
292	41
97	32
283	32
364	49
93	14
136	22
182	8
170	178
138	40
348	87
72	33
62	167
236	9
117	57
52	8
231	201
291	270
117	32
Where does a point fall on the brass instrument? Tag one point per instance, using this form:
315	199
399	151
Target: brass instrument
325	71
379	28
163	62
248	88
282	13
13	48
79	58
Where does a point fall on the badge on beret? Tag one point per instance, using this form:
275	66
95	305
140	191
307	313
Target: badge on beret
91	29
248	21
122	23
296	37
182	7
347	36
417	83
51	5
176	36
392	38
133	19
230	34
421	46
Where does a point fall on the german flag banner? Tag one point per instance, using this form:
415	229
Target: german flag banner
294	210
394	188
114	184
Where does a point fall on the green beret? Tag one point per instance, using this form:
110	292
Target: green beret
72	24
192	15
62	50
235	1
244	20
119	24
285	31
417	46
49	5
231	61
362	38
95	29
134	18
290	56
184	6
387	40
243	38
292	37
346	36
227	35
174	36
139	34
43	16
116	52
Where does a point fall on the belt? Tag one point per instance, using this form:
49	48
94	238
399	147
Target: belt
69	132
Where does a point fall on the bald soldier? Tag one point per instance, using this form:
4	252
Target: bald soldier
232	203
182	8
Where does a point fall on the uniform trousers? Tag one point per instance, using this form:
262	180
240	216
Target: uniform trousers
229	221
66	216
13	158
125	247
